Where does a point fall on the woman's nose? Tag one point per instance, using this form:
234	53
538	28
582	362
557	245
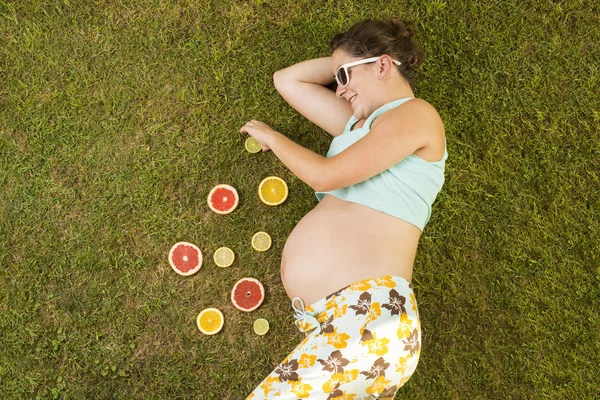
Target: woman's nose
340	90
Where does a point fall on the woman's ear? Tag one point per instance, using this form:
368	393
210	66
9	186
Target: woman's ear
385	64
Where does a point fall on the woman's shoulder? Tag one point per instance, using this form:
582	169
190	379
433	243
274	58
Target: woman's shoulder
418	117
417	113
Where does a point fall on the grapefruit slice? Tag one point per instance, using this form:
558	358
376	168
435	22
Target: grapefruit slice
185	258
223	199
224	257
210	321
261	241
247	294
261	326
273	190
252	145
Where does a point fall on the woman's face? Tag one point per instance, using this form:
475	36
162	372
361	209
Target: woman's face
361	84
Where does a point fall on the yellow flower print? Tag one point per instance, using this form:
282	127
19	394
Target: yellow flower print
378	386
413	302
339	379
268	383
405	328
402	364
340	311
385	281
304	326
332	302
377	346
374	312
302	390
332	384
337	339
351	375
360	286
251	396
307	361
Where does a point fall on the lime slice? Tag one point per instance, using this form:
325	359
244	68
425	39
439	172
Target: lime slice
252	145
261	326
261	241
224	257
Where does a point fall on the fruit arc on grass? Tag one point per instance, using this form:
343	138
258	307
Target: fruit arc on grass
185	258
247	294
223	199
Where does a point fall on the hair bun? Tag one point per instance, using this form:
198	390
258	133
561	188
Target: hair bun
404	29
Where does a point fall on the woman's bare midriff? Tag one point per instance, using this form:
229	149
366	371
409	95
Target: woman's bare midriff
339	243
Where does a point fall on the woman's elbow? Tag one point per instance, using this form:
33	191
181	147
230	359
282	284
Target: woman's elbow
320	184
279	79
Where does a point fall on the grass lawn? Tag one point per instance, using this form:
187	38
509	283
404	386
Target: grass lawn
117	117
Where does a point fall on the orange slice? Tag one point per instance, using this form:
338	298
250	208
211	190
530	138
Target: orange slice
210	321
273	190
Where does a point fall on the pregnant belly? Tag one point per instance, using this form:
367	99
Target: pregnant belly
339	243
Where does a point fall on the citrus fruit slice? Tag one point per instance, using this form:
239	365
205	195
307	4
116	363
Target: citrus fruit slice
273	190
261	326
185	258
223	199
261	241
252	145
247	294
210	321
224	257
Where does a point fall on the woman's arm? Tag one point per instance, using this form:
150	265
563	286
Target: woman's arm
397	134
302	85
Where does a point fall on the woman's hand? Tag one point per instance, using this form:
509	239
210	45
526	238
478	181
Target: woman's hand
259	131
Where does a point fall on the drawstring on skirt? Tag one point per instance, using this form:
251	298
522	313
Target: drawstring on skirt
305	321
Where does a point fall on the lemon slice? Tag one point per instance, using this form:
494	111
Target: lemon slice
210	321
224	257
261	241
273	190
261	326
252	145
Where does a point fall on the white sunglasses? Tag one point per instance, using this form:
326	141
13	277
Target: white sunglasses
341	75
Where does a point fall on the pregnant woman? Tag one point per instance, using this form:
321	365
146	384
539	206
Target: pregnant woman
347	265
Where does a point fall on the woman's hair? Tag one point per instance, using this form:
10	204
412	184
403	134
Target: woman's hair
372	38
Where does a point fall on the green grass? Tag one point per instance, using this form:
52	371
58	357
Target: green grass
117	117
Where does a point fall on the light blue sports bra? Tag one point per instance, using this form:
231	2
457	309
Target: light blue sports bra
406	190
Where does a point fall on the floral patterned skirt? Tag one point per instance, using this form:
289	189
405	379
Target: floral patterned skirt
362	342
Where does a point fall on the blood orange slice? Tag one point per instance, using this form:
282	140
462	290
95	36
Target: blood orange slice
247	294
223	199
185	258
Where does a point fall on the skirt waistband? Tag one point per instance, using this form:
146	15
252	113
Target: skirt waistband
311	317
